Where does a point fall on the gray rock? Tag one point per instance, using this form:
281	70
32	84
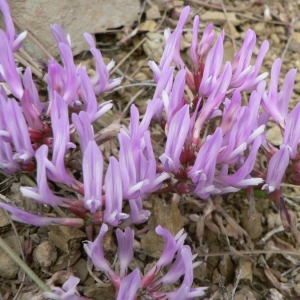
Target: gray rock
45	254
76	17
8	267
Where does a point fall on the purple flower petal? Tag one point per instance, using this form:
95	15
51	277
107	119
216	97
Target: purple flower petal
60	35
113	194
92	166
84	129
71	77
43	194
14	40
292	132
95	252
129	286
179	127
61	141
276	169
8	67
22	216
125	249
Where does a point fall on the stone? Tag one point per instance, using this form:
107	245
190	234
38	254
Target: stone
81	270
153	46
252	225
66	260
274	135
226	268
66	238
76	17
45	254
274	294
4	221
245	268
153	13
219	18
8	268
243	294
166	215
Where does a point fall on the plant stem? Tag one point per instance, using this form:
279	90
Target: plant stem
23	265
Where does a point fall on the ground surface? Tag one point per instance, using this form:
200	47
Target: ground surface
245	253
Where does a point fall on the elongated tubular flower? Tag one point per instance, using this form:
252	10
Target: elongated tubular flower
113	194
166	257
131	186
8	69
31	114
240	178
203	171
164	83
147	170
125	249
60	35
7	163
71	78
179	28
67	292
88	95
17	129
177	134
183	265
172	46
137	130
194	55
101	82
244	130
292	133
205	43
230	112
174	102
96	253
84	129
276	103
130	286
198	54
276	169
245	77
55	82
220	86
148	285
206	158
137	214
92	176
212	67
208	108
33	92
22	216
14	40
166	58
43	194
61	141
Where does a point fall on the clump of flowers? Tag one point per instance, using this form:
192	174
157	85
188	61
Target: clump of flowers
212	143
132	285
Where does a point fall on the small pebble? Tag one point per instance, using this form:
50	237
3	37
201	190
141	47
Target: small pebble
45	254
